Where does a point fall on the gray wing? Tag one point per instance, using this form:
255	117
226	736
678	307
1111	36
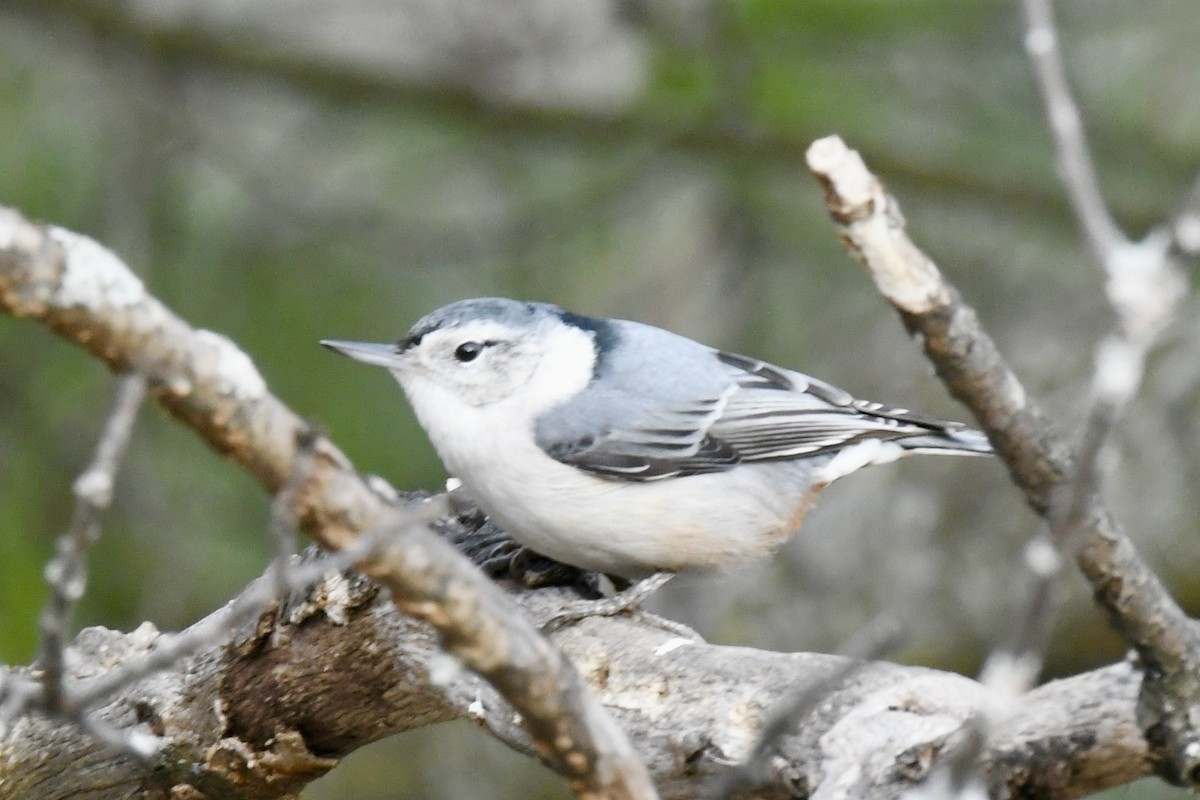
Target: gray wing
675	407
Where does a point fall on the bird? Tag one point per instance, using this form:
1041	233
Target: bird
625	449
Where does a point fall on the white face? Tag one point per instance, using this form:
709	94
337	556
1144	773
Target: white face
477	386
479	363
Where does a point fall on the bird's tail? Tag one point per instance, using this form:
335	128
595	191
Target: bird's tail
949	440
939	438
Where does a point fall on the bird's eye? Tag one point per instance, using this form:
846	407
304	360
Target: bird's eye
468	351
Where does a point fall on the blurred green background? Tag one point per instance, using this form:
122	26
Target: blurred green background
283	172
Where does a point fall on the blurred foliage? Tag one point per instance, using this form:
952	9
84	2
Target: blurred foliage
270	187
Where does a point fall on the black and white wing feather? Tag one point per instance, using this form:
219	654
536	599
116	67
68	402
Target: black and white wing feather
779	414
726	411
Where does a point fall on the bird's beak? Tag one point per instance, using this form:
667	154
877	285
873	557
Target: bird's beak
381	355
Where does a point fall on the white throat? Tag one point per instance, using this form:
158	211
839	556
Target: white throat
471	439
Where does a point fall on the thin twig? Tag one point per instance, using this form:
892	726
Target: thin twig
1074	159
1185	226
16	694
1009	672
284	540
1143	282
1014	668
66	574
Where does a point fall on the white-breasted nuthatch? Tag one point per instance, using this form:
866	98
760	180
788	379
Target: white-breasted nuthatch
623	448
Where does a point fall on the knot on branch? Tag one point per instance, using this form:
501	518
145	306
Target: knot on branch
1169	715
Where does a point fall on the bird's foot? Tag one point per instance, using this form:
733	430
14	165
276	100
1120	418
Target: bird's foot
625	601
501	557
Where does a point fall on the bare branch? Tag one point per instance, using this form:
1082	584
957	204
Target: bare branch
342	668
1009	672
1144	285
1070	143
1013	668
428	581
66	574
1039	460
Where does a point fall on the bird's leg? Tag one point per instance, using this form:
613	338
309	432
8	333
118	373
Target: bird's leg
626	600
500	556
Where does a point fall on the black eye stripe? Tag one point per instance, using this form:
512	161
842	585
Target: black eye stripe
409	342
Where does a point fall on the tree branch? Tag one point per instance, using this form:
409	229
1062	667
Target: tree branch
275	703
1066	126
1040	461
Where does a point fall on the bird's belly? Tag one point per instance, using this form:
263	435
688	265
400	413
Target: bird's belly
619	527
632	529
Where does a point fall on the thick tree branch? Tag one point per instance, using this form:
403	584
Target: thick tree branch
275	703
1041	462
